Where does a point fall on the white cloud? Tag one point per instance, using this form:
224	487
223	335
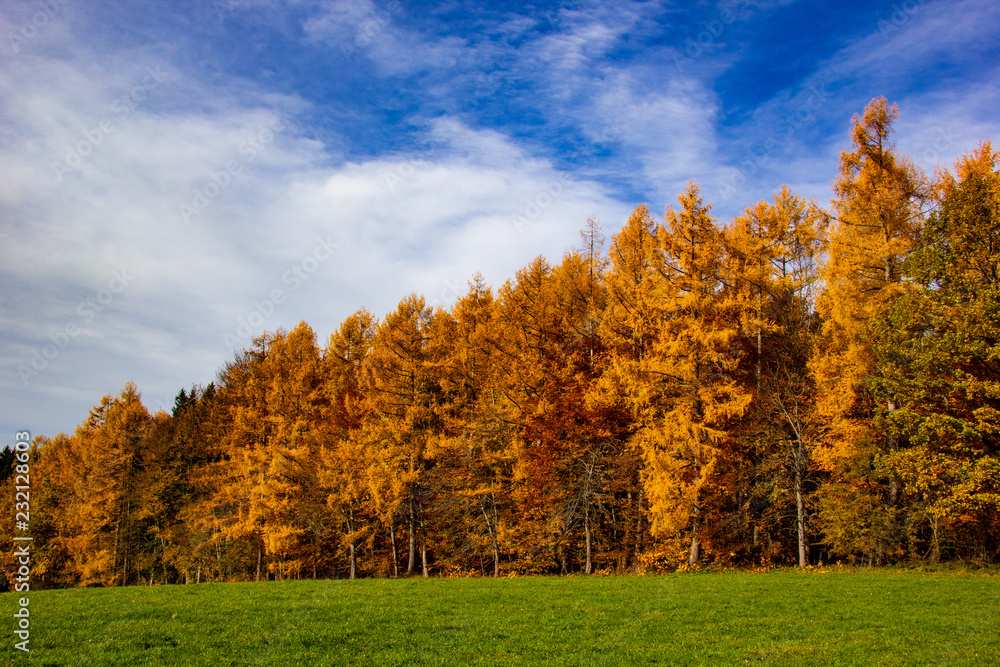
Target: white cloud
264	203
264	225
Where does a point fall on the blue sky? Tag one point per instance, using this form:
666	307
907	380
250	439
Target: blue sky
176	177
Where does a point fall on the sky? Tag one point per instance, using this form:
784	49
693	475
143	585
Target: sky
177	177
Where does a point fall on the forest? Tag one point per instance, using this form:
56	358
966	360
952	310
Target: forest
794	386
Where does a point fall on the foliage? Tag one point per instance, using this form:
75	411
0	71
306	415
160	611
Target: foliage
795	385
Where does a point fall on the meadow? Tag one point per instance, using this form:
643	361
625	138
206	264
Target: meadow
826	617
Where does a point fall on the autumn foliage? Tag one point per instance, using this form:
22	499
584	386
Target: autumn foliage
794	386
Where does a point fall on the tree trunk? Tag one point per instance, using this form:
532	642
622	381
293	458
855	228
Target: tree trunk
760	352
423	559
638	527
936	544
354	562
695	554
894	481
589	468
354	559
163	552
493	538
258	563
496	559
395	555
800	509
114	568
125	541
411	565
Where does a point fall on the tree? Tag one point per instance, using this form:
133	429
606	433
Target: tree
180	449
297	520
476	457
629	328
104	461
878	207
237	511
51	487
771	272
877	215
400	393
547	352
343	474
689	371
936	354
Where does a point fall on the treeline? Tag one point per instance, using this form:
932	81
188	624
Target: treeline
798	385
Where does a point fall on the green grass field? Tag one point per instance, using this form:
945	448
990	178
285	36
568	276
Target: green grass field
785	617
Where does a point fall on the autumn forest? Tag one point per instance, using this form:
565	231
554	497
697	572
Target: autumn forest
794	386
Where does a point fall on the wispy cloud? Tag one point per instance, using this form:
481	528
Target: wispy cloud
209	211
380	148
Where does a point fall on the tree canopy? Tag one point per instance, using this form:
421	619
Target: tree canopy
797	385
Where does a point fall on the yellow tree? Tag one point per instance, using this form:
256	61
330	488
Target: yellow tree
296	520
629	328
878	212
105	458
632	314
400	394
546	350
343	474
689	372
57	477
237	511
772	250
476	457
266	489
520	337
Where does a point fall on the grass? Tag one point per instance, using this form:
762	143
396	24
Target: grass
837	617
